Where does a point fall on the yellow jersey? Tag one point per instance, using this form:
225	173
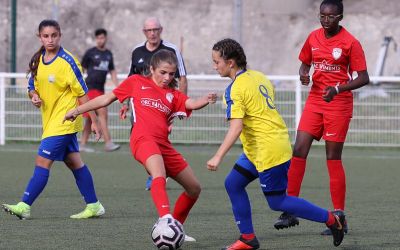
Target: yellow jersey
59	83
264	136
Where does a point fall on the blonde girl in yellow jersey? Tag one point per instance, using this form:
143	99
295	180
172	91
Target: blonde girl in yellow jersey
55	86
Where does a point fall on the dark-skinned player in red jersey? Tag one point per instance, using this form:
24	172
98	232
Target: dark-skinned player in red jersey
335	55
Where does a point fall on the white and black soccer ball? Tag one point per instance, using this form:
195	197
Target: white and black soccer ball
168	234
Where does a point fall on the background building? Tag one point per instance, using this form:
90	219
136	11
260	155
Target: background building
272	31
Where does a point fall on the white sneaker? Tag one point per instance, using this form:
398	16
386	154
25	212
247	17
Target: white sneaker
189	239
109	147
83	148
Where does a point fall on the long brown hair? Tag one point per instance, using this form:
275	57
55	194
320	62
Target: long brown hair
167	56
34	62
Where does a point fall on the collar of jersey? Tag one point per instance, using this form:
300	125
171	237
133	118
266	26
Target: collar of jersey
60	50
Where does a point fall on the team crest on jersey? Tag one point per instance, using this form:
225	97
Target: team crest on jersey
51	78
169	97
336	53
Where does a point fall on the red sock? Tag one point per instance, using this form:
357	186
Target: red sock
182	206
248	236
295	175
160	196
331	219
337	183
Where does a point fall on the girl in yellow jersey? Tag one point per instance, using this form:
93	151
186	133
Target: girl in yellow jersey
253	116
55	86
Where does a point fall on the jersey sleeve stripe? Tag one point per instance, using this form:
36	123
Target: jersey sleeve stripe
181	64
31	85
78	74
139	45
228	100
133	110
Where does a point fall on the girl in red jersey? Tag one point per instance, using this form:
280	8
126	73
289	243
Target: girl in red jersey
335	55
156	103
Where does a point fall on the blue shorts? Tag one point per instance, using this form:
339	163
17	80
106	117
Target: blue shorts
273	180
56	148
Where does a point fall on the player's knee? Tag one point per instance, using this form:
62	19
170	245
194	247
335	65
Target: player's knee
300	151
275	201
194	190
229	184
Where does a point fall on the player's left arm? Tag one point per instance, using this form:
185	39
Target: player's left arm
356	63
361	80
193	104
95	126
235	128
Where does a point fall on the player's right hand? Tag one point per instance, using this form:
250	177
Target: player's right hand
305	79
71	115
96	131
213	163
212	97
122	112
36	101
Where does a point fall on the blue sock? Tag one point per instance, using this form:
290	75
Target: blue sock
36	185
235	184
85	184
298	207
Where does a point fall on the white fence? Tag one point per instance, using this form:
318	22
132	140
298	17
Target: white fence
375	121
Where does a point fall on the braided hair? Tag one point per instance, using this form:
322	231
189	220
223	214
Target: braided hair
337	3
230	49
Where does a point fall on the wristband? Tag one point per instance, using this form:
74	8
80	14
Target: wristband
337	89
77	110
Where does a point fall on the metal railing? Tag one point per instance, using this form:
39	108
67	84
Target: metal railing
375	121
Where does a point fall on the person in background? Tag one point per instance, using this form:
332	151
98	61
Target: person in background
97	62
335	55
252	116
141	56
156	102
55	85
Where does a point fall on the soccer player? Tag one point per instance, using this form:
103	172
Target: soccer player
98	61
56	85
155	103
142	53
253	116
335	54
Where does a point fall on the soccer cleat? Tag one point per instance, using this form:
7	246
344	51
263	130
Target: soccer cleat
189	239
91	210
111	146
83	148
327	231
286	220
148	183
242	244
337	229
21	210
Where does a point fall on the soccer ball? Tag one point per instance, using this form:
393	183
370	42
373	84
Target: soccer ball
168	234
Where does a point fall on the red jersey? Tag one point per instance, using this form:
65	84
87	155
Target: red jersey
153	107
334	60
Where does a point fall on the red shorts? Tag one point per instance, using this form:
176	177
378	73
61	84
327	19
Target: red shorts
92	93
173	161
329	127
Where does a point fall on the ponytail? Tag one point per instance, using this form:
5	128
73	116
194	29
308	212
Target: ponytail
34	63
